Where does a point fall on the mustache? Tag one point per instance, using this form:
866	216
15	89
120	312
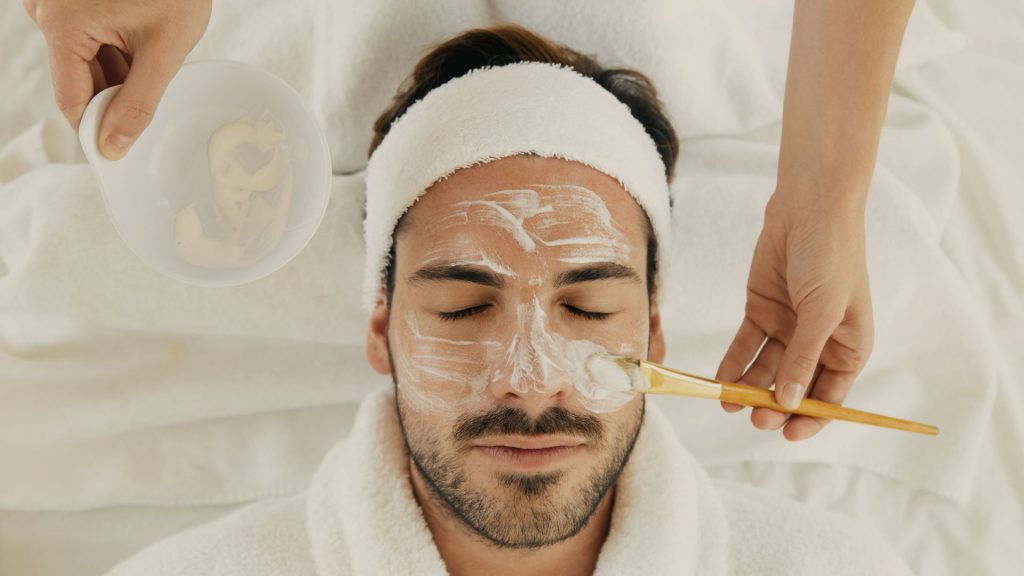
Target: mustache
514	421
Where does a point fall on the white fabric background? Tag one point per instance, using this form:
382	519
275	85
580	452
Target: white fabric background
132	406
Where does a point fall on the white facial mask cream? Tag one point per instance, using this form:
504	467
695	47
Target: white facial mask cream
445	374
564	223
462	252
569	223
246	217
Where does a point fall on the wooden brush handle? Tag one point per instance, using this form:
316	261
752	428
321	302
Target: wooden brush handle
764	398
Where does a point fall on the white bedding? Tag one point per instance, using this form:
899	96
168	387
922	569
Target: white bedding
133	406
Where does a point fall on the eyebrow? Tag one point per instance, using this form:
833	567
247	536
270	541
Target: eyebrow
458	273
600	271
476	275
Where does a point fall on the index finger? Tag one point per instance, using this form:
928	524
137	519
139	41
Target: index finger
831	386
741	351
154	65
72	83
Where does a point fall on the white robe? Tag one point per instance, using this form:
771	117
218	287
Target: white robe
359	516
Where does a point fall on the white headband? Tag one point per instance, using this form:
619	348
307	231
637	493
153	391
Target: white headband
497	112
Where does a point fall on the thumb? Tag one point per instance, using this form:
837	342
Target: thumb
800	359
152	68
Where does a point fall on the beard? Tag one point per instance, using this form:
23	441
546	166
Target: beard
519	510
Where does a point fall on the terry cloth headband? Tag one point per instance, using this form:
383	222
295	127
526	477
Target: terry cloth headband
500	111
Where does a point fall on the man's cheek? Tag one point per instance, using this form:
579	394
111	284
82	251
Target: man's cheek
441	374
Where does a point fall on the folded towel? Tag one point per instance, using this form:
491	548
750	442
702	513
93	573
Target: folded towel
360	517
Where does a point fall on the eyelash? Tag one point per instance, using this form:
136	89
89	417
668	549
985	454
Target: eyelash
587	315
467	312
460	314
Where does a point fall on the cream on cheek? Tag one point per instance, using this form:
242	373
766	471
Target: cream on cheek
438	374
563	223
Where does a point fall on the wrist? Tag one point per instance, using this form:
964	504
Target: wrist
847	200
824	176
793	206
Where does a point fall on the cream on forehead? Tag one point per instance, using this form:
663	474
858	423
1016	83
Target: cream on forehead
570	222
464	252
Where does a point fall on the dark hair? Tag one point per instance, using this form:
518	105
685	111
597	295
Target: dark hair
510	43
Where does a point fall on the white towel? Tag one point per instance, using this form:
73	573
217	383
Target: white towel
360	517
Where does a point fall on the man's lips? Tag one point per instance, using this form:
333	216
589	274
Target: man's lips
529	453
529	442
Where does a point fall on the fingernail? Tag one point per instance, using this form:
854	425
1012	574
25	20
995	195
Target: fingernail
792	395
115	146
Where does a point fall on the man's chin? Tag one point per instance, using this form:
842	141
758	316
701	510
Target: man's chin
533	510
531	485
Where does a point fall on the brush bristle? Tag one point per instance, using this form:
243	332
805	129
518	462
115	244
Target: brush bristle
631	366
614	372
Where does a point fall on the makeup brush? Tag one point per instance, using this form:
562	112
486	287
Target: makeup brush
650	378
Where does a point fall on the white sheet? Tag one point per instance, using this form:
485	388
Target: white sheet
93	363
53	227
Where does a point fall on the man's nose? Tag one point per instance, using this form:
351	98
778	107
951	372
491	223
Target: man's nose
532	376
533	368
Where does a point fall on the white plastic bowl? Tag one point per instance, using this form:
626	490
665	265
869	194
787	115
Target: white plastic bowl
167	169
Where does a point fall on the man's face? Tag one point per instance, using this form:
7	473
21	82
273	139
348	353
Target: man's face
508	276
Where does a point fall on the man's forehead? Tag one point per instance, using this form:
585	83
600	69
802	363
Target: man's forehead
544	223
560	181
527	217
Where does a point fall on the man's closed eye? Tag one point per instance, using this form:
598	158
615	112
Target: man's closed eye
475	310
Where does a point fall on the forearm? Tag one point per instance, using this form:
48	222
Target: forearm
841	64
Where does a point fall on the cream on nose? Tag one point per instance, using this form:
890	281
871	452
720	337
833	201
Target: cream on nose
534	362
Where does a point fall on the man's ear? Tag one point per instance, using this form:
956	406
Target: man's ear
377	338
656	343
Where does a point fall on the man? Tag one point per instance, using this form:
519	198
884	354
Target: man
517	477
517	219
